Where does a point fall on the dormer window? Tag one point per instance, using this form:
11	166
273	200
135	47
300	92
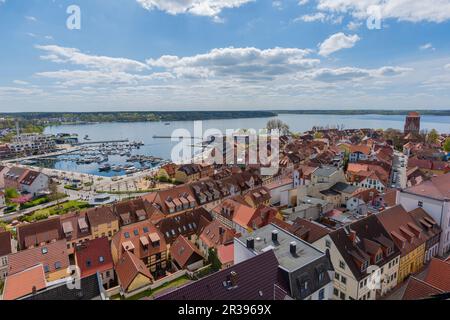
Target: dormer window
364	266
378	257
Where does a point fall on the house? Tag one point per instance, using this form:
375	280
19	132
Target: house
34	182
188	173
131	211
94	256
241	217
76	229
145	242
174	200
359	153
225	253
362	201
258	196
13	176
368	176
185	255
213	235
434	197
365	260
168	171
90	288
435	283
5	250
306	271
186	224
52	256
239	282
24	283
277	187
430	230
132	273
309	231
408	238
326	174
30	235
103	222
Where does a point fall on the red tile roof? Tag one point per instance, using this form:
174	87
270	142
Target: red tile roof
437	188
226	253
94	256
439	274
5	243
22	284
184	252
53	256
417	289
129	267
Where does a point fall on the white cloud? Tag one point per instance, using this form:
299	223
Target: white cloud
242	63
404	10
302	2
74	56
447	66
352	74
319	16
337	42
20	82
209	8
31	18
427	46
354	25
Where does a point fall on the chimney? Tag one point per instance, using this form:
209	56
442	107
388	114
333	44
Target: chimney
251	243
352	236
233	278
293	248
33	290
275	236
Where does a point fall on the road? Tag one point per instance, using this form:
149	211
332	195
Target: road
14	216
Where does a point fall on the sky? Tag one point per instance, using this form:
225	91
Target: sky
163	55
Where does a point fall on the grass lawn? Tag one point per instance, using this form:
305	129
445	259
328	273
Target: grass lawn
172	284
55	210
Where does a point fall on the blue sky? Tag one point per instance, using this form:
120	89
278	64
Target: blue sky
224	54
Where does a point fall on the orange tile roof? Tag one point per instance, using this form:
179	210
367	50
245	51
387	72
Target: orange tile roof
21	284
417	289
226	253
439	274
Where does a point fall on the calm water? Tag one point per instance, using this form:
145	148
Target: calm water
144	131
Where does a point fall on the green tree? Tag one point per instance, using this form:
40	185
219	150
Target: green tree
318	135
213	259
432	136
447	145
278	124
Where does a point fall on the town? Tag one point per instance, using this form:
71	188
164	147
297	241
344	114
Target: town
350	214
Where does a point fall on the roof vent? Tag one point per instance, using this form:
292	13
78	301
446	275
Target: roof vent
250	243
293	248
275	235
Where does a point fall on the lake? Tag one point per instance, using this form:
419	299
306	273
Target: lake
145	131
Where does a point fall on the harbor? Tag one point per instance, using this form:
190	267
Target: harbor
102	158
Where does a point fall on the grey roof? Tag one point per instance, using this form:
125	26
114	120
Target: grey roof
325	171
306	253
91	288
257	279
344	187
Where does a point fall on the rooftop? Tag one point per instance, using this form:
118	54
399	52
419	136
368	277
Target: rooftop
264	241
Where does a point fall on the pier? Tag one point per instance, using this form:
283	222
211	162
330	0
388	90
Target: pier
101	142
